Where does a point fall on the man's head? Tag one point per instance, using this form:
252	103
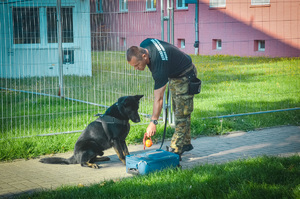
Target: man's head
137	57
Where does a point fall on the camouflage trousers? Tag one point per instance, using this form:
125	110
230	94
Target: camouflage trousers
183	106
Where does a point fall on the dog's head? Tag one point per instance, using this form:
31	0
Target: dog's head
128	106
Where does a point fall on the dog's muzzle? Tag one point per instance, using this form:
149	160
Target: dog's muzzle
136	120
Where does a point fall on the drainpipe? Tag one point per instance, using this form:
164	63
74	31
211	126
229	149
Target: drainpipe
162	19
172	15
59	41
167	18
196	44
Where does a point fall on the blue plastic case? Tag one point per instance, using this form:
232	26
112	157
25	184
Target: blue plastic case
150	161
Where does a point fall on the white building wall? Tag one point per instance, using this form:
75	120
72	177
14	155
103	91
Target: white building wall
28	60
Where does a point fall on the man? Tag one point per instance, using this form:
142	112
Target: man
167	64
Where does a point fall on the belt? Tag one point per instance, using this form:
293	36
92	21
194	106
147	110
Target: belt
186	71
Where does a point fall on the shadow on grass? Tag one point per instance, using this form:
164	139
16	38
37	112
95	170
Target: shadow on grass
262	177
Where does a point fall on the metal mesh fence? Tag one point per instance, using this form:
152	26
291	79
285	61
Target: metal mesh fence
95	35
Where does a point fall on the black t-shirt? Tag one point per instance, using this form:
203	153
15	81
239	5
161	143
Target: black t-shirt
166	61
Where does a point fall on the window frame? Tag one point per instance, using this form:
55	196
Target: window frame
258	45
218	44
39	17
184	6
260	2
182	43
122	42
215	44
260	48
217	3
72	15
153	4
43	29
125	2
99	6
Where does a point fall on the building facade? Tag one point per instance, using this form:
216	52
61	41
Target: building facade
29	42
227	27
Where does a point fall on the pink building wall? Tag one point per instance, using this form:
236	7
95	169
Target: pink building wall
238	26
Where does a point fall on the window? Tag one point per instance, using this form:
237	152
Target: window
99	8
123	6
260	2
123	42
180	4
150	4
217	44
181	43
26	26
217	3
259	45
66	25
68	56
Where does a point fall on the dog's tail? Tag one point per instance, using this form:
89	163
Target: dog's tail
58	160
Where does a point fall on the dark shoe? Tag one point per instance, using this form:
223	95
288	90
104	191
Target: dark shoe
170	149
187	147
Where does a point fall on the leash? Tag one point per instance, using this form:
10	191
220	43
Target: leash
166	120
165	128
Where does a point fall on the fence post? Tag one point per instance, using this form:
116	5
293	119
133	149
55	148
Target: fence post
59	41
170	6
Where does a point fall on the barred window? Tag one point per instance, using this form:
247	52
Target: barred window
26	25
66	25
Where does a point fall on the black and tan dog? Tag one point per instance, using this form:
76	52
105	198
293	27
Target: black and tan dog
109	130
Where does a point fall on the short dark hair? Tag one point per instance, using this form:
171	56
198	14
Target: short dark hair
136	52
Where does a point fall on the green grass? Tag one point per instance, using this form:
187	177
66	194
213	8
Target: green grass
261	177
231	85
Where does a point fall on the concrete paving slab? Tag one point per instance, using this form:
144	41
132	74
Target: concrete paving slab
21	176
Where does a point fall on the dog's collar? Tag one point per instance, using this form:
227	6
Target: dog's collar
110	120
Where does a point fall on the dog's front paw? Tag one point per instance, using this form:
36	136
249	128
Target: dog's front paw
95	166
92	165
124	162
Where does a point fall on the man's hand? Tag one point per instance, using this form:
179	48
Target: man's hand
151	129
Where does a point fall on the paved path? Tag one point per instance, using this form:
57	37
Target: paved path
25	176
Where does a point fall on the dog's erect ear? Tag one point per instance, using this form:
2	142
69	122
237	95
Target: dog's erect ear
138	97
127	100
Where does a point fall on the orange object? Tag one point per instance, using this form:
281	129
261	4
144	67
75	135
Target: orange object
148	143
